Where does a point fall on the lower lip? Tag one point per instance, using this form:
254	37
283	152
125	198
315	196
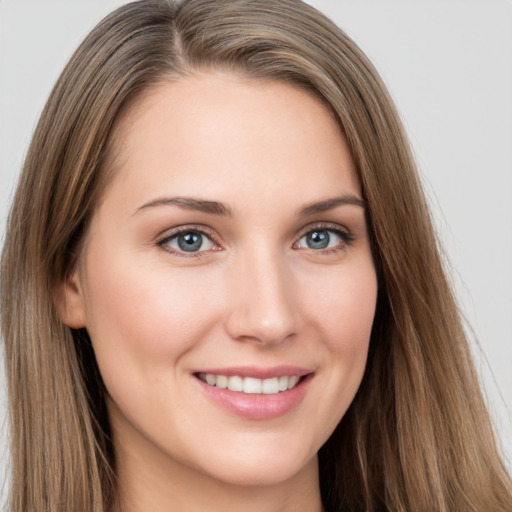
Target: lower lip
257	406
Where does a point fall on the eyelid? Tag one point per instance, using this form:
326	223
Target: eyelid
346	235
327	226
169	234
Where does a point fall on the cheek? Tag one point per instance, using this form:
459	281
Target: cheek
344	308
343	313
144	317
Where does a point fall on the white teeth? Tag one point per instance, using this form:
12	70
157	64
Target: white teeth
235	383
292	381
222	381
251	385
270	386
211	379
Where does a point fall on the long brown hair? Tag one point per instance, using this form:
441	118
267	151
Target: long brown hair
417	435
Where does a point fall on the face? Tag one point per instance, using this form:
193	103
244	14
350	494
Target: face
227	281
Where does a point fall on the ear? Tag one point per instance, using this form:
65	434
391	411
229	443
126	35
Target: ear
69	301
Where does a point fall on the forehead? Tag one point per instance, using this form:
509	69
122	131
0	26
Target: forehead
214	132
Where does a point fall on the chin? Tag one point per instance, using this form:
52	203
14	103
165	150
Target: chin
267	468
271	475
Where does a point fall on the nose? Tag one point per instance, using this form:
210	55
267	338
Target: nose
262	299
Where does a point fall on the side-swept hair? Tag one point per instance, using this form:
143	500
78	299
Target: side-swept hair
417	436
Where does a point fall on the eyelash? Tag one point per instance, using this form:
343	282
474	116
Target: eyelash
200	230
347	238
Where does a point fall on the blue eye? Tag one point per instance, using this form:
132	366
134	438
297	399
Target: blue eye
321	238
189	241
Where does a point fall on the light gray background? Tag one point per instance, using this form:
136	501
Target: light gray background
448	64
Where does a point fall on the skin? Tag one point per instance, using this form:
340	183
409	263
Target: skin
256	293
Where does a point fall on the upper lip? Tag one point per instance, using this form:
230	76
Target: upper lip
258	372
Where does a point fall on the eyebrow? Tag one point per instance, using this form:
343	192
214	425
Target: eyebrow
216	208
189	203
330	204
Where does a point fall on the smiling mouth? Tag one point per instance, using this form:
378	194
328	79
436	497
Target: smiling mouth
251	385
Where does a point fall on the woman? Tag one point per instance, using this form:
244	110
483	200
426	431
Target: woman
220	263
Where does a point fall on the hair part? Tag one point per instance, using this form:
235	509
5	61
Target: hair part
419	383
